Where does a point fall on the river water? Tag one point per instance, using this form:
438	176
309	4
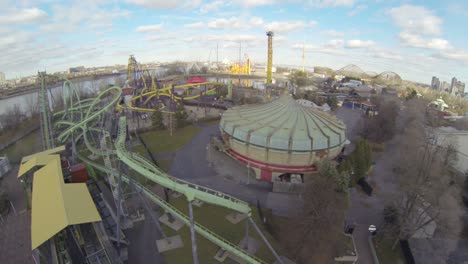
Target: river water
24	101
93	86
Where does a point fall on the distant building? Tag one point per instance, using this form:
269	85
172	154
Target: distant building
2	78
325	107
444	86
339	77
76	69
461	89
457	87
452	85
435	83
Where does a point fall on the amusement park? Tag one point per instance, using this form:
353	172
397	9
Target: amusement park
108	188
236	132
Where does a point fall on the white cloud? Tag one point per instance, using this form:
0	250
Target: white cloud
416	41
416	19
333	33
160	37
84	14
331	3
149	28
235	37
313	3
235	23
11	39
22	16
358	44
212	6
219	23
334	43
318	49
194	25
288	26
256	21
252	3
357	10
387	55
455	55
166	4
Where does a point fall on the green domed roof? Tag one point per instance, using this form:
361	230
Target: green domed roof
283	125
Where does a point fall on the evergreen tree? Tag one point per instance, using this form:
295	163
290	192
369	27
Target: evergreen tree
157	120
181	116
362	159
328	169
332	101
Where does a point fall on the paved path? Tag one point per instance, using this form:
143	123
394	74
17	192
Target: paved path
15	232
198	163
360	236
365	210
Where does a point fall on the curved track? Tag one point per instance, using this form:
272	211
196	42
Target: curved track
81	118
146	96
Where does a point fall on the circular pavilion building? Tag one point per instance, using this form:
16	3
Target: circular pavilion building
281	140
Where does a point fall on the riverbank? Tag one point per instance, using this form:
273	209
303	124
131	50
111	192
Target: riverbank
21	141
34	88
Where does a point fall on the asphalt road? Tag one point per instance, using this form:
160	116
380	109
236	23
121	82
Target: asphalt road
365	210
207	167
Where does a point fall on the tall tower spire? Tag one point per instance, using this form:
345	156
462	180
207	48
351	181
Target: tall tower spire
270	55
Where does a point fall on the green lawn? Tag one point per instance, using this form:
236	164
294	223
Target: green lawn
165	164
24	126
162	141
210	122
386	255
213	217
26	146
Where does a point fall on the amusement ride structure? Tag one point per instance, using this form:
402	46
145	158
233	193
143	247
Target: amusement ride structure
88	125
147	94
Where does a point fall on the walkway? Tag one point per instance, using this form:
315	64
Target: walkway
361	235
199	164
365	210
15	232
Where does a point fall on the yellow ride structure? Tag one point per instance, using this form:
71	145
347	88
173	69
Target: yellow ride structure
241	68
147	88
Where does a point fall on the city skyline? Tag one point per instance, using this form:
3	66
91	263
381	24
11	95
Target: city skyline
416	39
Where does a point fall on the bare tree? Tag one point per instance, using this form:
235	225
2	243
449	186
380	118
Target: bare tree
12	117
32	106
381	127
320	222
120	81
423	169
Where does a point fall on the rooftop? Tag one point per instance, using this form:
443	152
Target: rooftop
283	124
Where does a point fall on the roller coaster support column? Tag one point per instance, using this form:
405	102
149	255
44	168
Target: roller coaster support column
119	206
192	233
246	235
278	258
151	212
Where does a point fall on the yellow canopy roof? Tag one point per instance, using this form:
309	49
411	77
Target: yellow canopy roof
37	159
55	204
46	152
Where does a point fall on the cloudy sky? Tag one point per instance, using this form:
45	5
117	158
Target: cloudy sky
417	39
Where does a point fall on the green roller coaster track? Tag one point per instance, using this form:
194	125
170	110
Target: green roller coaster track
80	118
